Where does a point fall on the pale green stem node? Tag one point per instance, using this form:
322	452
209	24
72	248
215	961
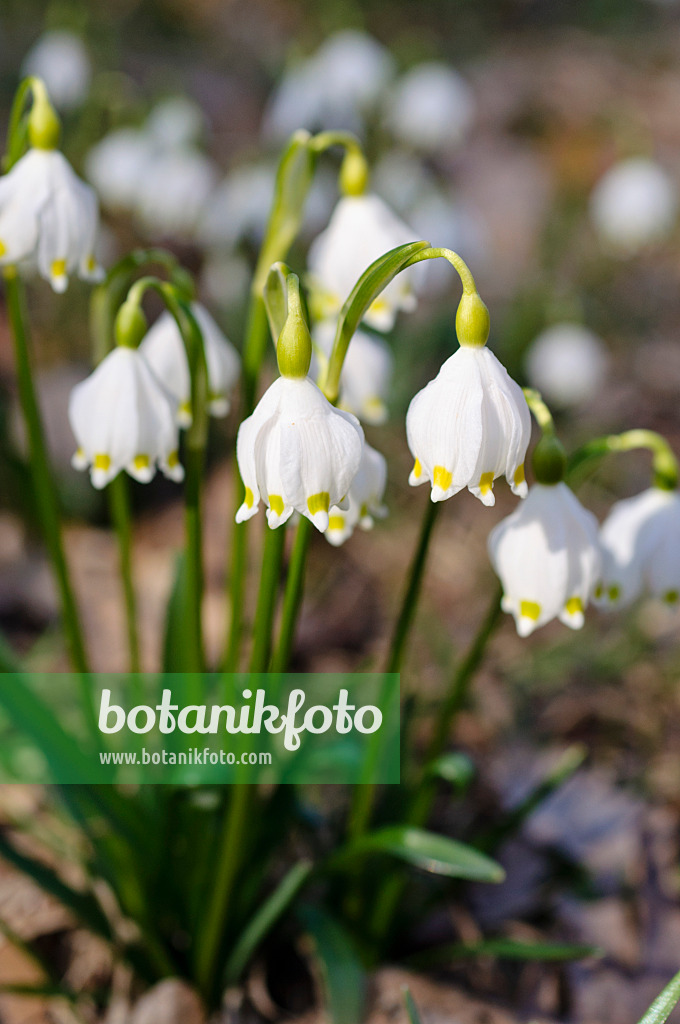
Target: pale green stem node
131	323
472	321
44	127
354	172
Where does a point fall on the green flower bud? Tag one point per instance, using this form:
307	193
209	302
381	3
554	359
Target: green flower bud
549	460
294	347
472	321
354	173
131	324
44	127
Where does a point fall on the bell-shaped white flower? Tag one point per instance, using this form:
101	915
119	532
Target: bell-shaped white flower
48	219
640	541
118	164
361	229
567	363
172	195
431	108
547	556
165	353
468	426
333	88
365	499
175	122
634	205
61	60
298	453
366	372
123	418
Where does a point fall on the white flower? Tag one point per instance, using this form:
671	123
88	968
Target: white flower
298	453
175	122
431	108
118	164
334	88
365	499
164	351
468	426
173	193
547	556
123	418
361	229
60	59
640	541
366	372
567	363
634	205
48	219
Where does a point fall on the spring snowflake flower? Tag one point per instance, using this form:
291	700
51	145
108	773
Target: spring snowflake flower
567	363
117	165
431	108
361	229
547	556
60	59
640	540
468	426
298	453
123	418
172	197
49	219
634	205
164	351
366	373
176	122
365	499
334	88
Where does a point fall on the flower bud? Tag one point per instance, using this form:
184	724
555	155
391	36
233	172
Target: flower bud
294	347
549	460
44	127
353	173
131	324
472	321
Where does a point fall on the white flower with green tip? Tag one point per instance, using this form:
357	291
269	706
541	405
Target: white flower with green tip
547	556
640	541
362	228
365	498
123	418
165	353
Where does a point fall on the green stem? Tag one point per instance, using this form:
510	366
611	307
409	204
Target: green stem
119	503
193	483
292	598
209	937
272	561
46	495
412	593
664	462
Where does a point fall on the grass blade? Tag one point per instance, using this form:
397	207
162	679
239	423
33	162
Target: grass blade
663	1005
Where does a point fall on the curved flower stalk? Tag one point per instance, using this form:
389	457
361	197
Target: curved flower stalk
366	372
48	216
471	424
365	499
640	541
164	351
547	556
296	451
362	228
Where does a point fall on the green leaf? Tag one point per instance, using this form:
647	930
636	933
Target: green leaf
434	853
275	295
342	974
662	1006
82	904
175	639
456	769
411	1009
506	949
265	918
365	291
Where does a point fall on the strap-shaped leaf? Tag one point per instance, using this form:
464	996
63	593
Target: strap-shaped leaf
662	1006
342	973
426	850
365	291
456	769
506	949
411	1008
265	918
